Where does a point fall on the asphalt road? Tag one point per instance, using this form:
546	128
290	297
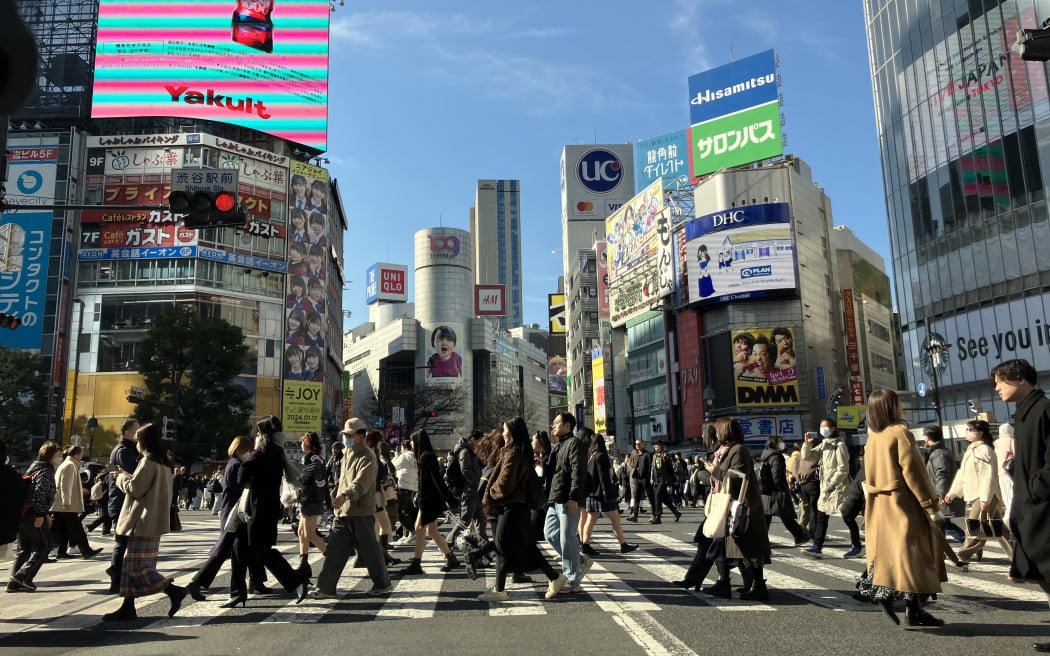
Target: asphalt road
628	607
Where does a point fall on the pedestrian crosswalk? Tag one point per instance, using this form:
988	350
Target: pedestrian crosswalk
635	589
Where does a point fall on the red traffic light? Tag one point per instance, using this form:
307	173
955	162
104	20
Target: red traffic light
433	413
225	201
8	321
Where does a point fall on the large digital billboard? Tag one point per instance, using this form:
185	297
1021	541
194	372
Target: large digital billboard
765	370
727	89
747	136
630	232
258	64
968	92
742	252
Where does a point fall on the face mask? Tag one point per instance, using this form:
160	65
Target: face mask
348	443
825	432
781	446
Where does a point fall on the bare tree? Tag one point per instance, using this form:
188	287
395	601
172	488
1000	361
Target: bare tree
504	406
432	406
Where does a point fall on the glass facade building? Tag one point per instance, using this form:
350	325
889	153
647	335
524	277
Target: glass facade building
964	130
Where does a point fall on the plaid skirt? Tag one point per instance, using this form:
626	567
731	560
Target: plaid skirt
140	577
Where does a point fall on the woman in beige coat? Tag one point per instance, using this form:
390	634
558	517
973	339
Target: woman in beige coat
144	517
904	543
69	504
977	483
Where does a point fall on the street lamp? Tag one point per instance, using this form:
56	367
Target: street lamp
92	426
709	397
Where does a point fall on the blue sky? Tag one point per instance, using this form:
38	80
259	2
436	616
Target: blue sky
426	98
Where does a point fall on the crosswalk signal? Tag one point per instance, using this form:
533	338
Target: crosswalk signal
207	209
9	321
170	429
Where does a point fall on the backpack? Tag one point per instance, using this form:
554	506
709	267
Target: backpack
14	502
454	476
215	485
766	485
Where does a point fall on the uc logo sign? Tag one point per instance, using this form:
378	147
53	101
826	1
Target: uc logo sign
444	244
599	171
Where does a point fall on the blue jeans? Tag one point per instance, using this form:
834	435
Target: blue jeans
560	530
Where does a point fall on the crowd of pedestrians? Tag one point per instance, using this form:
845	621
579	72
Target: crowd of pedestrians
503	492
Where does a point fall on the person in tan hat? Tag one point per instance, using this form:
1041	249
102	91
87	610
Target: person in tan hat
354	504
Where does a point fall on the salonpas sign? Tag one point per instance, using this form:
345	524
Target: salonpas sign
634	296
747	136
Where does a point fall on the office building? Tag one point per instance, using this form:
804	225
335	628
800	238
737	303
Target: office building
495	225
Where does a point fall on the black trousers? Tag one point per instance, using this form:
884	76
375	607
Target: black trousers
116	561
246	556
661	496
32	546
68	530
406	511
222	551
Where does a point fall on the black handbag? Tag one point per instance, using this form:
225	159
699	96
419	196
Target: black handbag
984	528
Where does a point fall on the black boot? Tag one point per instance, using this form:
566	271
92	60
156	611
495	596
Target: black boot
916	615
176	594
758	591
748	575
451	562
125	613
887	607
413	568
721	588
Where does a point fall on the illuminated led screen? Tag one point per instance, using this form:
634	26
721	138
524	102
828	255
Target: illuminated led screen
260	64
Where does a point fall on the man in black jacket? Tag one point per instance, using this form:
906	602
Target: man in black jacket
469	496
1015	382
567	496
642	483
124	457
662	476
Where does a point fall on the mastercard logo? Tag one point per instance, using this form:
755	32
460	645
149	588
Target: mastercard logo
584	206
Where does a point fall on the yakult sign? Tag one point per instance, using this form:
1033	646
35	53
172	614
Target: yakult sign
386	282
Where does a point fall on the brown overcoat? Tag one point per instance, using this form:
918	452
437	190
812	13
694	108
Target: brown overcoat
903	548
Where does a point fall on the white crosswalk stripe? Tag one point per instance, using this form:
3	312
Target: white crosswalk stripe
622	586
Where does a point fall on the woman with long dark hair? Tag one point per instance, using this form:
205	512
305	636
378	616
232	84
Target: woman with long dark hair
602	496
516	548
373	439
255	538
904	544
143	519
240	449
977	483
313	483
434	500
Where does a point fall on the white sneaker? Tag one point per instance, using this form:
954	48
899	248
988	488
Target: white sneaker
585	566
575	588
494	596
555	586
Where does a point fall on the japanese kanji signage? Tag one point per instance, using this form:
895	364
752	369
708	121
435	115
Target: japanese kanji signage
662	158
24	239
598	377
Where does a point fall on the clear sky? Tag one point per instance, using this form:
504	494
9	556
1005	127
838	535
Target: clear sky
427	97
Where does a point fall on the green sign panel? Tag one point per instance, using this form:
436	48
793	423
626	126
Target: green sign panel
747	136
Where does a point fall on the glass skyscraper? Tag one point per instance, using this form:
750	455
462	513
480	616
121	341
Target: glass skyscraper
495	224
964	130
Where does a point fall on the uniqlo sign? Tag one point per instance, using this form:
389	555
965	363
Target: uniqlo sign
386	282
490	300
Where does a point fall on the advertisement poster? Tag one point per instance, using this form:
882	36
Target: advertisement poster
630	232
259	64
445	354
598	379
765	370
738	253
748	136
557	370
556	313
662	158
733	87
601	256
302	406
25	238
633	297
305	318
